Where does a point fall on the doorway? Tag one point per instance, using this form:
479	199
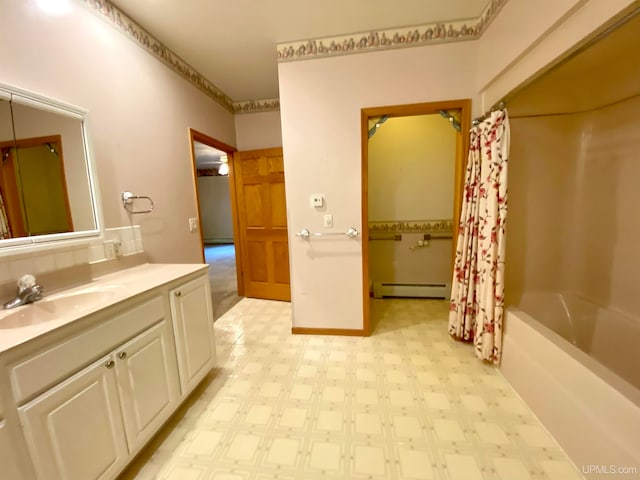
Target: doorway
211	162
430	236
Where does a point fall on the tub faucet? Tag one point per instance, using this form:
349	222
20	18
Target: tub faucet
28	292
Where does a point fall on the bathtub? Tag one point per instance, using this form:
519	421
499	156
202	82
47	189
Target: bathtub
576	365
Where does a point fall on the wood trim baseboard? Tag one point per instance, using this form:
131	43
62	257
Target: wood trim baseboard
327	331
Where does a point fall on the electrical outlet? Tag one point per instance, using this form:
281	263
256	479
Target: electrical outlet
193	224
109	250
328	220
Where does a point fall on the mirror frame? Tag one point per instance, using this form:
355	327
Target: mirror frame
13	246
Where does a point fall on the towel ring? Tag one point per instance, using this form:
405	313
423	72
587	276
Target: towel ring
127	202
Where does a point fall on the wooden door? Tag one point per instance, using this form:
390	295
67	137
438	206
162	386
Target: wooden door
262	221
74	431
193	325
148	383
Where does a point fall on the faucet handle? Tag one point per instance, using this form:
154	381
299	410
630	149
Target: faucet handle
25	282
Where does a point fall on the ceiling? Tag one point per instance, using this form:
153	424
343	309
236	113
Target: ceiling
232	43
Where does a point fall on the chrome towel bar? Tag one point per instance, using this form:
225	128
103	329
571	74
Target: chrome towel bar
305	234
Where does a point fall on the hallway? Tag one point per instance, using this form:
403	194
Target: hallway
222	274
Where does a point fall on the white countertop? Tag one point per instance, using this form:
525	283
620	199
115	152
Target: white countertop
22	324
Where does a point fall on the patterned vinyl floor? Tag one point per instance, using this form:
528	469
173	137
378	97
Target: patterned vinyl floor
405	403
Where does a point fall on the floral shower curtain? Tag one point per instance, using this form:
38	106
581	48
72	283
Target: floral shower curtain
477	293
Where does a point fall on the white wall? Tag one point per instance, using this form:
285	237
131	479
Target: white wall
258	130
140	113
320	108
215	209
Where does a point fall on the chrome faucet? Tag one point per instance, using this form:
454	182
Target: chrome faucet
28	292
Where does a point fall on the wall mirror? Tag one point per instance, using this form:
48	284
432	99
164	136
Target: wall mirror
48	192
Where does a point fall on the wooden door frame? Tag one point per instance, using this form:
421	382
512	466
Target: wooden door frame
195	135
462	150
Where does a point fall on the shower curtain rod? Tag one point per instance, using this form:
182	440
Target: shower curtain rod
502	104
551	114
498	106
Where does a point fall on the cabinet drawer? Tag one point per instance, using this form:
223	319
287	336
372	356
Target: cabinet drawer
31	376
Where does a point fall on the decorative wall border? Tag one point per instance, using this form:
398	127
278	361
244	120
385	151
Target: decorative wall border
412	226
291	51
415	36
254	106
121	21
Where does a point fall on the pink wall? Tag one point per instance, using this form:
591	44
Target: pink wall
140	113
258	130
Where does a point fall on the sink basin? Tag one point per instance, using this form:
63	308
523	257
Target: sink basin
56	305
23	317
78	300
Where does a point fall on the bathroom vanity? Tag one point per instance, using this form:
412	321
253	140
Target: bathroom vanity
88	375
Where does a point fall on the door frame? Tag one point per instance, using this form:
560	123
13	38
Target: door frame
462	150
195	135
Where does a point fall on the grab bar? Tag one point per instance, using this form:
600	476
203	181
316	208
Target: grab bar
437	236
396	237
127	201
305	233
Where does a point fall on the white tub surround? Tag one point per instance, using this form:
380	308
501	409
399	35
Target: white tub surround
587	408
75	361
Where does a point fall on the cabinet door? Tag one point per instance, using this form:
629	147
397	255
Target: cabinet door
147	382
9	460
74	431
193	325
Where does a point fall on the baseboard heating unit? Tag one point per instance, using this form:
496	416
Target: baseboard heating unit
413	290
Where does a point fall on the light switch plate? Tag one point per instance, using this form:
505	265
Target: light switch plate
193	224
317	200
328	220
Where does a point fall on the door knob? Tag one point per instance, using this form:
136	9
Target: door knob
178	293
122	355
110	364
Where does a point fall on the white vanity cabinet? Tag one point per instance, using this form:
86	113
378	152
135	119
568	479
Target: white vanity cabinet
9	461
89	400
85	427
74	431
147	383
193	324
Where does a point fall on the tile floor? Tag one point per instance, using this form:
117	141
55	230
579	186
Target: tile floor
405	403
